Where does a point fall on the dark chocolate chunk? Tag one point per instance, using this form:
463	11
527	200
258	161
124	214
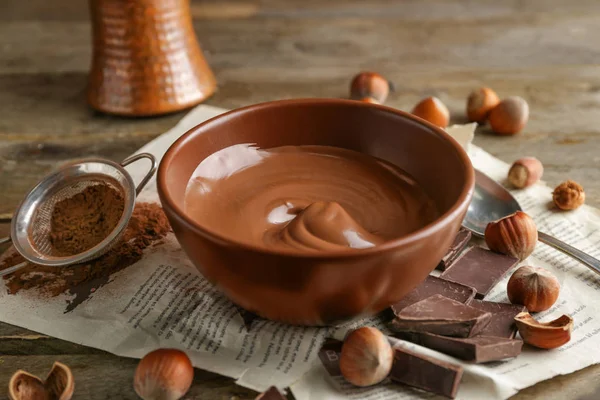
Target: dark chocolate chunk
271	394
330	356
460	242
426	373
502	323
431	286
479	268
480	349
443	316
248	317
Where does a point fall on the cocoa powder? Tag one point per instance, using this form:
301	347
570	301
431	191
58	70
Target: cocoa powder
148	224
80	222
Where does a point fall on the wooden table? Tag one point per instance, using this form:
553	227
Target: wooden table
544	50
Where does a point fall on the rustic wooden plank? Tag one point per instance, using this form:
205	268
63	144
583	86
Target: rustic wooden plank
352	42
4	231
103	376
26	345
233	9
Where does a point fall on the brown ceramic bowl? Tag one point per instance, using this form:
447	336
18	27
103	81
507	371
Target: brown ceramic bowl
329	287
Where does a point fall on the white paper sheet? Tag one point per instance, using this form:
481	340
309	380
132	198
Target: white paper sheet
162	301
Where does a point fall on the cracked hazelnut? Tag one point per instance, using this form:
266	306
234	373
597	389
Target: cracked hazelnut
480	103
545	335
433	110
525	172
510	116
366	357
163	374
568	195
515	235
370	87
533	287
59	385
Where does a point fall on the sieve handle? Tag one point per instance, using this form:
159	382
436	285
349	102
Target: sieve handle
136	157
12	269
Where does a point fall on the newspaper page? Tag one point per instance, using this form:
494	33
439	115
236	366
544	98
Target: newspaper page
501	380
163	301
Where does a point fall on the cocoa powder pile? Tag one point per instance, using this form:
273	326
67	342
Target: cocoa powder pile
80	222
147	226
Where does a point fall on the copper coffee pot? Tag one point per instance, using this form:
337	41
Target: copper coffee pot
146	58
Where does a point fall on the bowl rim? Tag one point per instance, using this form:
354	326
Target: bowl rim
439	223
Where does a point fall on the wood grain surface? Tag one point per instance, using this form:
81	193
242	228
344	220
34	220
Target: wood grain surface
546	51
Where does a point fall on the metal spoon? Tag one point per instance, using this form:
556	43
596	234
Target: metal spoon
492	202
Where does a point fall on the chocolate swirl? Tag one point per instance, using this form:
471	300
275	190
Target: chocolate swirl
310	198
322	226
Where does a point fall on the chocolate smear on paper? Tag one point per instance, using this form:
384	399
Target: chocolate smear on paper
148	225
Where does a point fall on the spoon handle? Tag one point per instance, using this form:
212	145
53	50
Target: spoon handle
591	262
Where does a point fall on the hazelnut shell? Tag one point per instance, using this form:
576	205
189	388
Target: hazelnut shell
533	287
568	195
433	110
59	385
163	374
515	235
369	100
370	85
544	335
366	358
525	172
479	104
510	116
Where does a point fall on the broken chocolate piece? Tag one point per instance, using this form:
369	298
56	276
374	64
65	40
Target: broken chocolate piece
480	349
248	317
460	242
431	286
330	356
502	323
425	373
479	268
443	316
271	394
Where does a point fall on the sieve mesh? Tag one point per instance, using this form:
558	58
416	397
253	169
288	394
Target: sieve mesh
40	225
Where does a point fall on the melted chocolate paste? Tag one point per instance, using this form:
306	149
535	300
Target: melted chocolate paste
311	198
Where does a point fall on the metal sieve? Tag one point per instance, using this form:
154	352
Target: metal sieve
30	226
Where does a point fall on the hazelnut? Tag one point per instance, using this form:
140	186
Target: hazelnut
525	172
533	287
369	100
433	110
480	103
509	116
163	374
59	385
371	86
568	195
545	335
515	235
366	357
